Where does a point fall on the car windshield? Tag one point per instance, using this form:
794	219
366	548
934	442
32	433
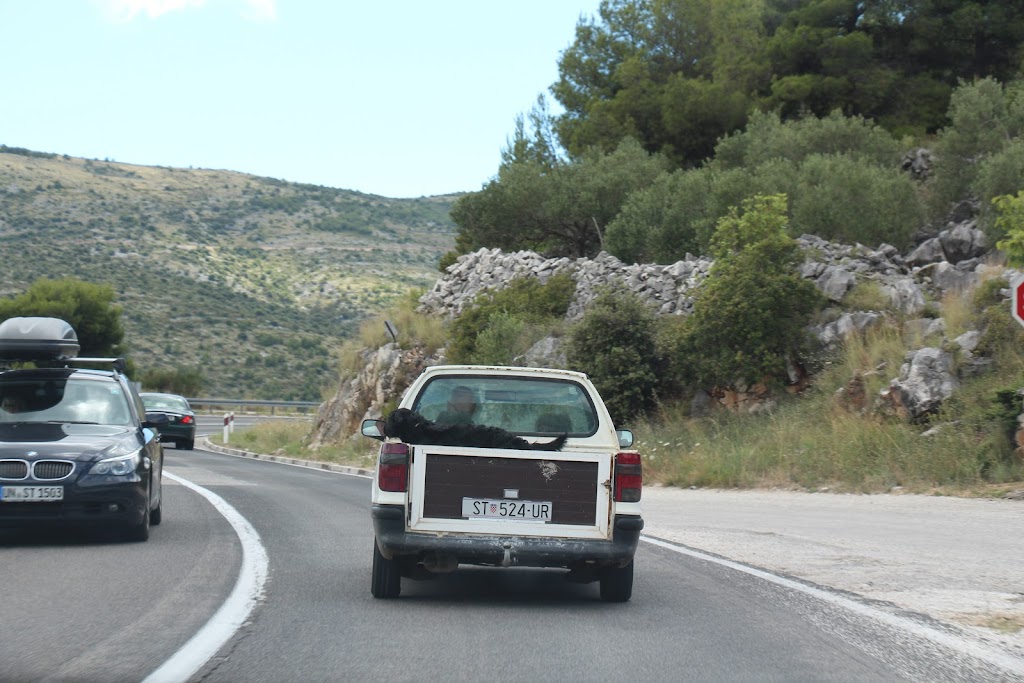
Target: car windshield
165	402
529	406
63	399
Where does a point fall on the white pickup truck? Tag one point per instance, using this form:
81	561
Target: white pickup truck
437	506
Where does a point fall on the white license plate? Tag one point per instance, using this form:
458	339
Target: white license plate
528	510
31	494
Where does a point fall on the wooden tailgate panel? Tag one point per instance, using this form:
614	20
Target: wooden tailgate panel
570	486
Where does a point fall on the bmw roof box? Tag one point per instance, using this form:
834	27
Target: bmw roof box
37	339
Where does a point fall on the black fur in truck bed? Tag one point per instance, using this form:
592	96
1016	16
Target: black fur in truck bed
413	428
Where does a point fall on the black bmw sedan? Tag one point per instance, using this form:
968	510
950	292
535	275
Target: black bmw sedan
76	447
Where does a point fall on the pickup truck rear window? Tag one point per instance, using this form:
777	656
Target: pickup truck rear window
526	406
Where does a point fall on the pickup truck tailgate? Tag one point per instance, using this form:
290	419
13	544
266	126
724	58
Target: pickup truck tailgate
575	484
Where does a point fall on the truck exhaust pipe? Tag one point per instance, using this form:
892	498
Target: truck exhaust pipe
440	564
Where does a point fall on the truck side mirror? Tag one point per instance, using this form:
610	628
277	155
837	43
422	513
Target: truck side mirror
373	429
625	438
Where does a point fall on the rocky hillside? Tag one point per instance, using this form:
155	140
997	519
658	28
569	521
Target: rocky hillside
864	286
252	279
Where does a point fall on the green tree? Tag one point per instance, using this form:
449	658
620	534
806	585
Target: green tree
678	74
822	59
614	343
749	315
673	74
558	209
88	308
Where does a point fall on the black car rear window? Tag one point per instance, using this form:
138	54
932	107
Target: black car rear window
165	402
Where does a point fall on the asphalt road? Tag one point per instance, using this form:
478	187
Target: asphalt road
89	607
95	610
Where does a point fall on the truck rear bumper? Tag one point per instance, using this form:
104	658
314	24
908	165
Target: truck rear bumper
528	551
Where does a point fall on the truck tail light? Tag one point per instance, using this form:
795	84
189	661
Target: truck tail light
629	478
393	467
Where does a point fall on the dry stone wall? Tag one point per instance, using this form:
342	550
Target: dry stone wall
669	289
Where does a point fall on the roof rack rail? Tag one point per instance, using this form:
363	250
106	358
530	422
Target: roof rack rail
119	363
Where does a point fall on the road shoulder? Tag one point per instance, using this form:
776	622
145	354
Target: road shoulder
958	560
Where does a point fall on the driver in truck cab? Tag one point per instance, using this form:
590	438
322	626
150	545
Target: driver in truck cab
461	407
13	404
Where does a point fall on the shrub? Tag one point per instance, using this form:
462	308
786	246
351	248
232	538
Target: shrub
524	298
614	343
448	258
678	213
1010	224
984	117
749	315
988	293
1001	175
663	221
185	381
506	338
867	295
766	137
1000	330
849	199
840	175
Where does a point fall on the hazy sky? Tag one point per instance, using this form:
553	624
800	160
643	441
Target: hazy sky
402	98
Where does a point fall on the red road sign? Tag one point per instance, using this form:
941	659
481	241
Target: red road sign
1017	300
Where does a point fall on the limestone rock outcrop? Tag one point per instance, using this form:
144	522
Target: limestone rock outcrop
388	372
926	380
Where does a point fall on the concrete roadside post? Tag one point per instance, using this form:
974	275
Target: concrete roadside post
231	424
227	427
1017	299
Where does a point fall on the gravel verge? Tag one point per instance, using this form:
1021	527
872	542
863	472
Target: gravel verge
957	560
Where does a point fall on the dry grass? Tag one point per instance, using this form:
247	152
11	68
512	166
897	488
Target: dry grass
1003	623
412	327
290	438
819	441
867	295
958	313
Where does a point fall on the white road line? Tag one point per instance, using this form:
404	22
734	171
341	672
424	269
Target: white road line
226	621
972	648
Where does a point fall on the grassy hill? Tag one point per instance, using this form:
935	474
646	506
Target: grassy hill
254	280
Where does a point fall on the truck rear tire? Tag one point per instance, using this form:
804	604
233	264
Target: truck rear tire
617	583
387	576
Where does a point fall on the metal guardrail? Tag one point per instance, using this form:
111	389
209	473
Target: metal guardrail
211	403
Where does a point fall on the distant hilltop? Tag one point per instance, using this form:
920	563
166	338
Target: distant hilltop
252	278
